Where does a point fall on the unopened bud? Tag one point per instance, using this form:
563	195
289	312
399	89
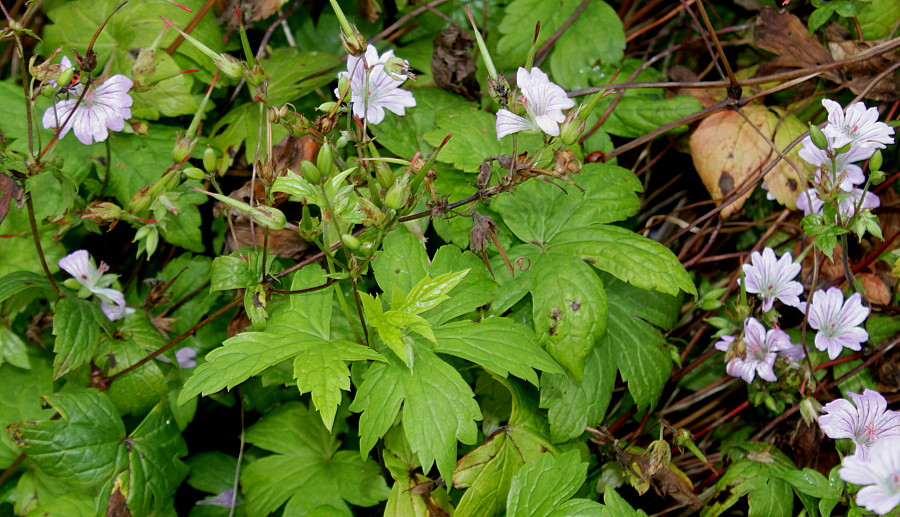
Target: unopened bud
397	195
194	173
354	43
269	217
326	106
343	140
350	241
209	160
182	149
844	149
229	66
65	77
104	212
810	409
876	161
818	137
149	234
384	174
310	172
398	68
876	177
343	87
570	130
374	215
256	76
140	201
143	67
325	160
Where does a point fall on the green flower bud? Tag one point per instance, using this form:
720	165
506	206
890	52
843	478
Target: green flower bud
810	409
326	106
572	128
397	68
876	177
818	137
325	160
182	149
72	284
397	196
105	212
65	77
844	149
310	172
209	160
140	201
354	44
194	173
227	64
876	161
344	87
350	241
384	174
269	217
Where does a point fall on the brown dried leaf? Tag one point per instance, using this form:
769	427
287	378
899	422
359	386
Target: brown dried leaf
863	72
292	150
9	190
665	481
783	34
452	65
684	74
369	10
876	291
727	153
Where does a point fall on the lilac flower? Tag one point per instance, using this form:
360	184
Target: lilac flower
773	279
837	322
543	101
223	499
841	167
65	64
81	267
794	355
881	471
761	351
858	125
106	107
865	423
846	206
185	357
383	90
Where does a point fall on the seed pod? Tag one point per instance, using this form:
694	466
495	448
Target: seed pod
209	160
350	241
325	160
818	137
310	172
194	173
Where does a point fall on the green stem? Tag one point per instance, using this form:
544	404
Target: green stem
37	244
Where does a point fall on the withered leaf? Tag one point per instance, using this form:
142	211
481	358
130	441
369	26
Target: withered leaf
862	73
9	190
452	65
784	34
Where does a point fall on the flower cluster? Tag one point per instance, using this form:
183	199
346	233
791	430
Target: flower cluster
760	350
850	138
93	279
543	102
103	108
375	85
875	432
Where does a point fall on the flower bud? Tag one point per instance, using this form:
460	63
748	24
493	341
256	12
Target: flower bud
65	77
269	217
104	212
398	68
397	195
326	106
143	67
149	234
343	87
256	76
384	174
343	139
227	64
810	409
354	43
818	137
310	172
876	161
209	160
140	201
350	241
571	129
876	177
374	216
194	173
325	160
844	149
182	150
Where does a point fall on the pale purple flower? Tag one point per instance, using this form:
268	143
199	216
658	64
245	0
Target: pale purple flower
846	206
65	64
185	357
81	267
794	355
760	352
382	92
881	472
866	422
773	279
103	109
543	101
840	166
858	125
837	321
224	500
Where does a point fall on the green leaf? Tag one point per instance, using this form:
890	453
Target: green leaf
487	471
307	470
756	474
166	93
211	472
569	309
77	332
877	18
20	399
540	487
239	128
639	347
183	229
615	506
572	404
295	185
517	28
638	114
403	466
141	389
498	344
537	211
475	289
429	292
402	262
809	481
574	55
293	74
439	408
83	446
628	256
12	349
21	281
231	273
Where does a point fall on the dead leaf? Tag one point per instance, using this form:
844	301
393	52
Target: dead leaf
876	291
684	74
116	504
728	153
665	481
9	190
251	10
292	150
452	65
783	34
369	10
862	73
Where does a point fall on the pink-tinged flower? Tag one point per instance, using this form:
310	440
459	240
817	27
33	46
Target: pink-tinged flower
103	109
866	422
837	321
81	267
760	352
858	125
881	472
382	92
794	355
543	101
185	357
773	279
841	166
224	500
846	206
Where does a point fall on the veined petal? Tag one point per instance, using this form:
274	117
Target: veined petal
544	100
509	123
78	264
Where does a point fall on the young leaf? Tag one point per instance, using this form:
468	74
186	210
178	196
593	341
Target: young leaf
543	487
307	470
402	262
475	289
428	293
20	399
231	273
407	497
77	331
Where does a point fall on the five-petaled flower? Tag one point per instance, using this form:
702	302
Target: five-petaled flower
773	279
880	471
810	202
837	321
81	267
858	125
543	101
373	89
866	422
760	351
840	167
104	108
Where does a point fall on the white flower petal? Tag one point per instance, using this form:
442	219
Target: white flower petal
509	123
